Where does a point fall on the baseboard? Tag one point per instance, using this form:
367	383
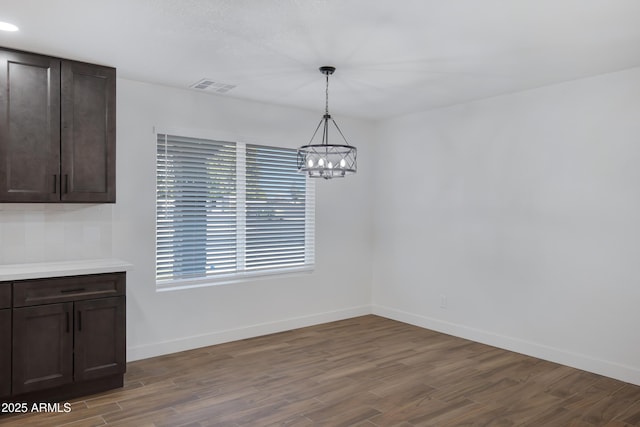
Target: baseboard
602	367
218	337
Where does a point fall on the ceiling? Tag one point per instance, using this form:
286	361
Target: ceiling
392	57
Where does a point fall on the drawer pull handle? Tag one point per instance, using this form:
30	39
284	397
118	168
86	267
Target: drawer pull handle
68	291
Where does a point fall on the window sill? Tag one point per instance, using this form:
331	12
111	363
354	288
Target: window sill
184	284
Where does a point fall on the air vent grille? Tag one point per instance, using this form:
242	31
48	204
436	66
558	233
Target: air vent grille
212	86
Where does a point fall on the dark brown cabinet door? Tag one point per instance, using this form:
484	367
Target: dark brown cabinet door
29	127
88	133
99	338
42	347
5	352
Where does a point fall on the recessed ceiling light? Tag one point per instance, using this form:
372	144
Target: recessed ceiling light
5	26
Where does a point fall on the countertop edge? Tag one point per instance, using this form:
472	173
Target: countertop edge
11	272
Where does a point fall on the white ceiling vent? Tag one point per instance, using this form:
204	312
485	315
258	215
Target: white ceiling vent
212	86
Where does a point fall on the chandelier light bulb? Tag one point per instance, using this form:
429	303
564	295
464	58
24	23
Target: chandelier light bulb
330	165
343	163
321	163
310	163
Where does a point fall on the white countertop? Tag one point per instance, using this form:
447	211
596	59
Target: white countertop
9	272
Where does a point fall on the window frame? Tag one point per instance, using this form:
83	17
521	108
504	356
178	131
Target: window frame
241	171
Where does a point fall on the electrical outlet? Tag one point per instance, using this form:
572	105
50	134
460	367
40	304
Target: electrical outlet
443	301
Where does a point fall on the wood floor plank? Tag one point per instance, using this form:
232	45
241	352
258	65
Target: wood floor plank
366	371
631	415
605	410
87	422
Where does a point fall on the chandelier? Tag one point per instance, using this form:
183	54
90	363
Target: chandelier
323	159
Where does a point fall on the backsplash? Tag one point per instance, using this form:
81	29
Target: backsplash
54	232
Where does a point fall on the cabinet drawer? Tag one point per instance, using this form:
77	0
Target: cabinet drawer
5	295
62	289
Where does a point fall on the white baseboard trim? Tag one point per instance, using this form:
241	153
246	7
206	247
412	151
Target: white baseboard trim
617	371
218	337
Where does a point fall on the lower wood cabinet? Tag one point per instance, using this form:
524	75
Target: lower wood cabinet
5	352
65	336
99	349
5	339
42	347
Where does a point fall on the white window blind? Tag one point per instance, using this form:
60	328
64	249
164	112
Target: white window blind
228	210
275	209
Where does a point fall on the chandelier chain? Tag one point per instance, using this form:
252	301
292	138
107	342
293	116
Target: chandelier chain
326	105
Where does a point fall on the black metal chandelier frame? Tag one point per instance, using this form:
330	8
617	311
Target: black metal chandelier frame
324	159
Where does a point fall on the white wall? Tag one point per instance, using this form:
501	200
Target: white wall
31	232
524	212
165	322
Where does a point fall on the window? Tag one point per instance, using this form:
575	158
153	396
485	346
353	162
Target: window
229	210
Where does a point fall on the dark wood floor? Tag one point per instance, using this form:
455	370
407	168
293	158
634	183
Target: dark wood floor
367	371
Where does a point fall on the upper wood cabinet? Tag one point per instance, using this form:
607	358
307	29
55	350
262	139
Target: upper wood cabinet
88	133
57	130
29	128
